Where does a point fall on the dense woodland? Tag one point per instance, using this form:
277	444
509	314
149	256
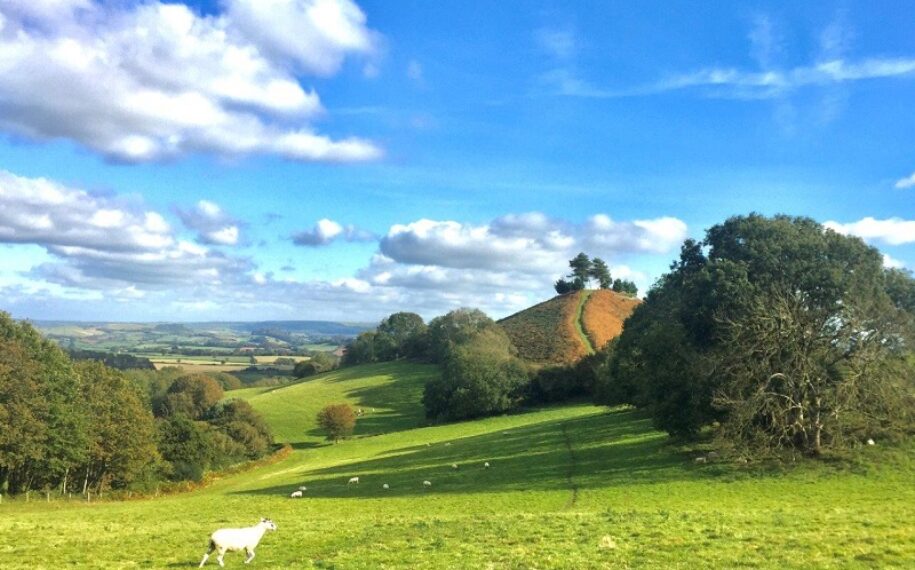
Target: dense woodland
78	426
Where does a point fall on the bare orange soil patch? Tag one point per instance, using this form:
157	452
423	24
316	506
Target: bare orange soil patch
604	314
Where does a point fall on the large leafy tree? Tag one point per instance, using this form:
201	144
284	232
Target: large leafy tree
481	377
789	334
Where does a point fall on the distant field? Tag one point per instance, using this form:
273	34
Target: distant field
571	487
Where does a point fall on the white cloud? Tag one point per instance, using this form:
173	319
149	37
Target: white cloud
907	182
892	263
892	231
212	224
100	242
325	231
156	81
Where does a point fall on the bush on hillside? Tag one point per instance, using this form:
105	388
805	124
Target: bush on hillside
338	420
481	377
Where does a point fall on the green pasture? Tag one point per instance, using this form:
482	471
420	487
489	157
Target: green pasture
573	486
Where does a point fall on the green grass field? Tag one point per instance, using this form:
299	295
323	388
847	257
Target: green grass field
573	486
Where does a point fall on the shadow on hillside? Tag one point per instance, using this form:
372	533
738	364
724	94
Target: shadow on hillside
388	406
617	448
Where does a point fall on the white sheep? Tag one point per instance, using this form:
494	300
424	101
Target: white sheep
427	484
700	460
713	455
385	487
353	481
454	465
303	488
870	441
234	539
295	495
486	465
447	444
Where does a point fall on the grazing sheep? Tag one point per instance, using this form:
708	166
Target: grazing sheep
296	495
700	460
871	442
385	487
447	443
486	465
303	488
742	460
713	455
454	465
427	484
234	539
353	480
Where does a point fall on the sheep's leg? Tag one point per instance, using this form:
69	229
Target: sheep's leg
250	553
207	555
219	554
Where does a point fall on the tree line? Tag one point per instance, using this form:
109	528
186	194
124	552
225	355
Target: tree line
585	269
76	426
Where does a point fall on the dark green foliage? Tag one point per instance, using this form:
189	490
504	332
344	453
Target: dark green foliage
121	361
399	335
481	377
564	382
790	335
238	420
562	286
187	446
191	396
361	350
454	329
43	436
338	420
601	273
121	430
581	270
317	363
626	287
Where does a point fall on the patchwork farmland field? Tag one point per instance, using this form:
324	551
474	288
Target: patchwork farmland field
574	486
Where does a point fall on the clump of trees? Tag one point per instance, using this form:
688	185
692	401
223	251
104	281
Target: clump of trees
401	335
481	375
337	420
584	270
80	426
317	363
788	336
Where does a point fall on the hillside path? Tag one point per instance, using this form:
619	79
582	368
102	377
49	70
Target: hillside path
582	298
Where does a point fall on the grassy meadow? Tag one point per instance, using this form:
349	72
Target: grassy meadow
573	486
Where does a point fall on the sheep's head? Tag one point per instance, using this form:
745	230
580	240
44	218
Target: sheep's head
268	523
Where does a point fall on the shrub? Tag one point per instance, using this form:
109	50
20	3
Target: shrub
338	420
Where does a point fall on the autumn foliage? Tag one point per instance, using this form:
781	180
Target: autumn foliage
338	420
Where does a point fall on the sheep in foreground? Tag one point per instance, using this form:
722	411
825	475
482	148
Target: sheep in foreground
353	481
234	539
427	484
295	495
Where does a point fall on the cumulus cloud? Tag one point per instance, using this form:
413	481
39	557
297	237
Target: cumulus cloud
326	231
891	231
892	263
212	224
102	242
530	243
155	81
907	182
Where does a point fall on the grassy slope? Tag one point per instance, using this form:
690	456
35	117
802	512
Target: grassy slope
570	487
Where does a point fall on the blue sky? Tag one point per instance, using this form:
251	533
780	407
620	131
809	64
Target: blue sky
324	159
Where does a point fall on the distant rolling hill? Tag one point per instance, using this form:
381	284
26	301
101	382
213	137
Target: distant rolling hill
568	327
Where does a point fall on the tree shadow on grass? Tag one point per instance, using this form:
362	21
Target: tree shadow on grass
618	448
